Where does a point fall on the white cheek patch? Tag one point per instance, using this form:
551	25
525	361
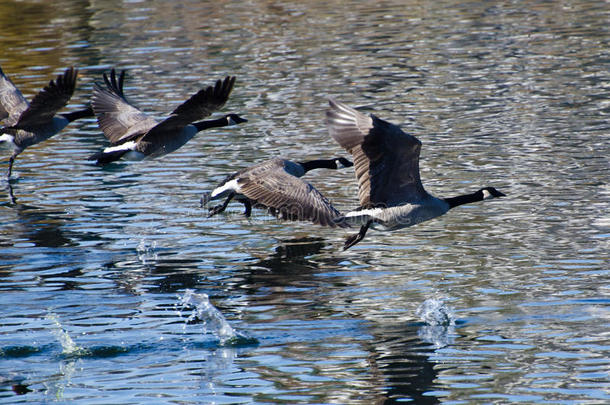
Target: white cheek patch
487	195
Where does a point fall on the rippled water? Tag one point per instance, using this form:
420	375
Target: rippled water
117	289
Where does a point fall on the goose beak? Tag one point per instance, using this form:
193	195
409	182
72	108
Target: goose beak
234	120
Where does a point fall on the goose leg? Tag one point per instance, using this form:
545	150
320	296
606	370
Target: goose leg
11	194
10	166
204	200
220	208
352	240
248	208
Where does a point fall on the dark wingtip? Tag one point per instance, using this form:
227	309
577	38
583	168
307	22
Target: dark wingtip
68	78
225	87
114	85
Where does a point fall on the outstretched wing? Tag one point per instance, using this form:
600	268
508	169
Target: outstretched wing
199	106
117	118
49	100
386	159
287	196
12	102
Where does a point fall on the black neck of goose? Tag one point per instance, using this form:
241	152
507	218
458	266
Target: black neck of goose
319	164
464	199
220	122
75	115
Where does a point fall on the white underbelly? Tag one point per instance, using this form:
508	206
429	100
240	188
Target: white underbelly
134	155
392	218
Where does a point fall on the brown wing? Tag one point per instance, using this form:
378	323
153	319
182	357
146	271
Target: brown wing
287	196
49	100
199	106
386	159
12	102
117	118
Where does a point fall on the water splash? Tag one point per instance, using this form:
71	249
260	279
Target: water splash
439	319
147	252
213	320
435	312
69	348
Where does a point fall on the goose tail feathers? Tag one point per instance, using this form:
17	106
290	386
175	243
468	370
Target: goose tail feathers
102	158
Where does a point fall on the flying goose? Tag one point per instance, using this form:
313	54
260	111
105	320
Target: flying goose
27	124
275	184
132	132
386	161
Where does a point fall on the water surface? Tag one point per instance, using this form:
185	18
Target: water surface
497	302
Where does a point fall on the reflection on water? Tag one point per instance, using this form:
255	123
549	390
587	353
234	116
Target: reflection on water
401	362
510	94
36	225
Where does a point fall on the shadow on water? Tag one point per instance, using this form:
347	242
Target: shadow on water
400	364
293	276
172	274
16	383
288	263
37	226
401	352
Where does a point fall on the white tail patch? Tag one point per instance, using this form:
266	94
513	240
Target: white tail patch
361	217
370	212
131	145
8	138
228	187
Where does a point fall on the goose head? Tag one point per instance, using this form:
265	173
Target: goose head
234	119
343	162
490	192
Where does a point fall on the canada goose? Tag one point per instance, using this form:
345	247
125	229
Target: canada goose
132	132
275	184
387	168
27	124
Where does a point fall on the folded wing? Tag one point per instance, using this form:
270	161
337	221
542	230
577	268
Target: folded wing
287	196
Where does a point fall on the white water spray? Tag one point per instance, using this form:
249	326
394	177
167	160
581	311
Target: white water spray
213	320
69	348
439	319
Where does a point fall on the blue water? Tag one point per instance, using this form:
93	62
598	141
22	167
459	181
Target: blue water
117	289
